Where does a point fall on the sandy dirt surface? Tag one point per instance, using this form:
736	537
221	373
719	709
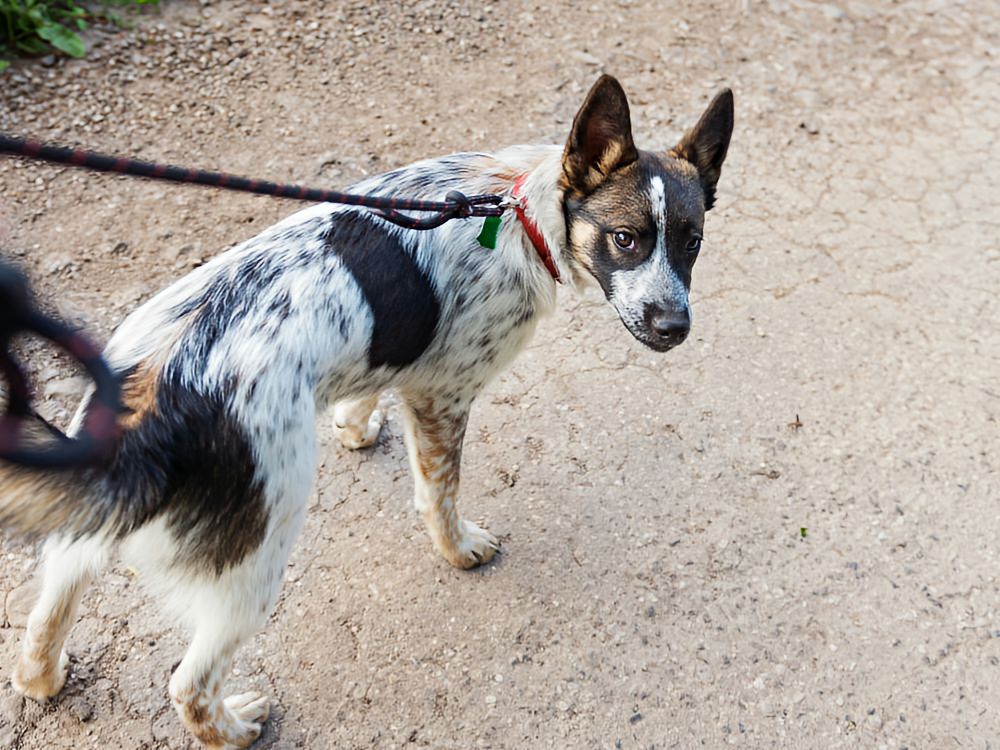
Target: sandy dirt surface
782	534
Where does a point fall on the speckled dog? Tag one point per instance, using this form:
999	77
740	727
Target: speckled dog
224	371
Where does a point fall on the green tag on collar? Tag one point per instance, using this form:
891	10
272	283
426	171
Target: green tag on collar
488	237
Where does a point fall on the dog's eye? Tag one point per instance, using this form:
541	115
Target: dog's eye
624	239
693	246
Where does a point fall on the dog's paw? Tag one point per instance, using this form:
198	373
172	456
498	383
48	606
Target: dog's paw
361	434
243	717
40	680
251	707
251	711
476	546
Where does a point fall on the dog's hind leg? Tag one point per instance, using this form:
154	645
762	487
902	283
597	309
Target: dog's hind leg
226	609
69	566
435	429
227	603
196	687
357	423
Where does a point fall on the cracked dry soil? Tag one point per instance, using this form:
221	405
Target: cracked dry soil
782	534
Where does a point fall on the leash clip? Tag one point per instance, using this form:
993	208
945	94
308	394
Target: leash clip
510	201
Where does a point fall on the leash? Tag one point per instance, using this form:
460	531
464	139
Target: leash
99	431
455	205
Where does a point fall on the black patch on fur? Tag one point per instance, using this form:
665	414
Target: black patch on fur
401	297
191	461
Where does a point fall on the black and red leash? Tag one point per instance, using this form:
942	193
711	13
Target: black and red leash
100	429
455	205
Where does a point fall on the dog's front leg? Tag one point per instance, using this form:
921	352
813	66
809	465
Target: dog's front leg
434	432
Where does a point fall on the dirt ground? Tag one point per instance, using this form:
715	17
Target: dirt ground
782	534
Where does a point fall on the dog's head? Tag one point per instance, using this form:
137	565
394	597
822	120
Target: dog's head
634	219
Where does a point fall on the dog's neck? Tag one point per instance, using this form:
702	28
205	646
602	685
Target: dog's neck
531	228
535	177
540	166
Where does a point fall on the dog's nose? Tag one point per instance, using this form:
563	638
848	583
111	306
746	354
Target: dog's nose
670	325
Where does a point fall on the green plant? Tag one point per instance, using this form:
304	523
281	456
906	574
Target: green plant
35	27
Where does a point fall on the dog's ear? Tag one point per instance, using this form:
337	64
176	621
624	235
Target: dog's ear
601	139
705	144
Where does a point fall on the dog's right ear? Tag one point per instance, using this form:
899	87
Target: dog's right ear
601	139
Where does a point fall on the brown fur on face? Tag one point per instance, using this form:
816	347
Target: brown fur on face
622	201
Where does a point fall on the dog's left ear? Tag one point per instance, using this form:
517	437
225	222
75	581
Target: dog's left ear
601	139
705	145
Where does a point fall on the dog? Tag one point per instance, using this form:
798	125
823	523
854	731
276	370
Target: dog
223	374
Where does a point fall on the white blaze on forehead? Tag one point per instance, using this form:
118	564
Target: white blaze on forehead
658	205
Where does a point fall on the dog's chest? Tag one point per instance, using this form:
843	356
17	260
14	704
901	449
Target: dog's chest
487	315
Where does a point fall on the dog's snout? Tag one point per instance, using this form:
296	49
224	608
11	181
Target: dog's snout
672	326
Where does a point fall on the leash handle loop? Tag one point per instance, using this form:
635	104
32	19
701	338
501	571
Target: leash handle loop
99	431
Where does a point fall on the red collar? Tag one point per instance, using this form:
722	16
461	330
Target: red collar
531	229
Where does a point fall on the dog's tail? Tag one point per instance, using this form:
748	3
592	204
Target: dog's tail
182	453
99	497
37	502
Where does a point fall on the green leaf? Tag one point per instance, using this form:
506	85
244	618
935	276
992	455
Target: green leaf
4	64
35	27
32	45
62	39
